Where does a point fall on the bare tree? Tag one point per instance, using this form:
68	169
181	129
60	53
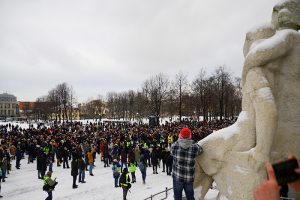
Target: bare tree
169	106
155	89
54	103
72	101
141	103
131	101
94	108
111	105
63	93
60	99
223	80
199	90
42	108
180	87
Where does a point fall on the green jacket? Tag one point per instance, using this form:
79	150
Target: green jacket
48	181
132	167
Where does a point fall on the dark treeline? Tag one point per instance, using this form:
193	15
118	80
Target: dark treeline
212	96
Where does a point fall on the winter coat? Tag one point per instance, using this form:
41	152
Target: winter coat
168	159
124	180
101	147
146	153
106	152
65	153
41	162
154	157
81	164
132	167
4	165
116	168
74	167
115	152
162	155
13	150
49	184
90	157
123	156
137	154
131	156
19	153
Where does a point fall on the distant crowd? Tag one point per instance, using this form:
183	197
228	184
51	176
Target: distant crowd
76	145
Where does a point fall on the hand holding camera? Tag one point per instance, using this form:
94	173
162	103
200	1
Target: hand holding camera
287	172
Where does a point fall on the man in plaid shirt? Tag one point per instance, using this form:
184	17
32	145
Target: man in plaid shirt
184	152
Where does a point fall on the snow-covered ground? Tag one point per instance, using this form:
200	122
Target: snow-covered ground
24	184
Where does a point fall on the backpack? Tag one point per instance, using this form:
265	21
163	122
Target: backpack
115	170
46	187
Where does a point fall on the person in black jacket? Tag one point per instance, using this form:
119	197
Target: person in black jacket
65	155
124	182
154	160
18	157
81	166
41	163
106	155
169	161
74	171
162	156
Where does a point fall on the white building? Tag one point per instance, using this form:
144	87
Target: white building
8	105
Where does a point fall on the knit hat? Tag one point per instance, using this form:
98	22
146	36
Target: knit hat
49	173
185	133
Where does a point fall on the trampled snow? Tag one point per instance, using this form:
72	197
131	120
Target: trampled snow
24	184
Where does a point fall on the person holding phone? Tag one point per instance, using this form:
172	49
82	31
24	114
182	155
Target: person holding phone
270	189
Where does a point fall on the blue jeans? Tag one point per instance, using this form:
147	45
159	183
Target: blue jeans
116	181
187	187
81	175
91	168
144	175
3	174
49	195
50	167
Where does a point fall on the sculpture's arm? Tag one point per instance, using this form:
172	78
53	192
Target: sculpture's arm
265	114
268	50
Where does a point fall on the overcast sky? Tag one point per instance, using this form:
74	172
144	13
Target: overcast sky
98	46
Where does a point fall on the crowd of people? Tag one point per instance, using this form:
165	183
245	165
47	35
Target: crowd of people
123	147
75	145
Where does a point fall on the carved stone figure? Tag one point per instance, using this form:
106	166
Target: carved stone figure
268	128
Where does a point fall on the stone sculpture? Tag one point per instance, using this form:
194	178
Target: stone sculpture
268	128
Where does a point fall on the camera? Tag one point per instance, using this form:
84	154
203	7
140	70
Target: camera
285	171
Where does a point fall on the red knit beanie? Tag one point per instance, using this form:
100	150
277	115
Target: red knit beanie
185	133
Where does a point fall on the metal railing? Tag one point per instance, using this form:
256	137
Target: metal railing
165	191
168	189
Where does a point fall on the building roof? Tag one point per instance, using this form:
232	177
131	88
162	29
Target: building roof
5	97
